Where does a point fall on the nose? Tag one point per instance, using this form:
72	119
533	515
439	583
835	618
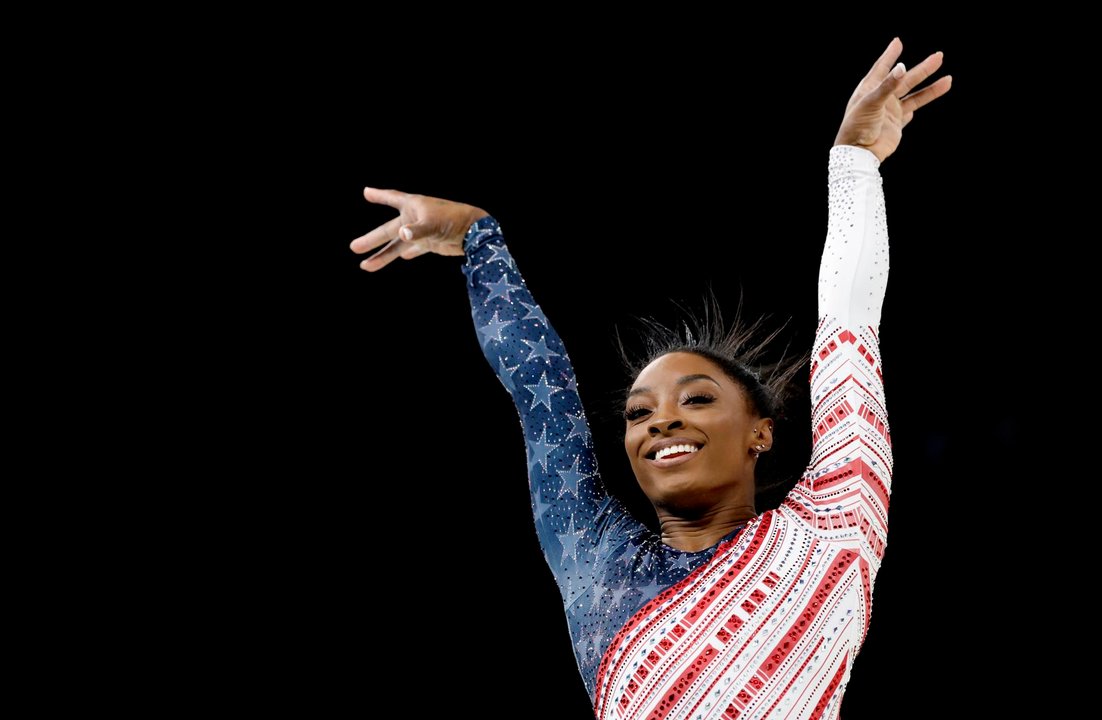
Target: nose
663	427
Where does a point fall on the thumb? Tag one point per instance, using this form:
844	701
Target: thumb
888	84
414	231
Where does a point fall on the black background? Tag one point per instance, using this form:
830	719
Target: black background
625	175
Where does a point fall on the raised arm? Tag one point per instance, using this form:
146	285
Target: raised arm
848	482
573	513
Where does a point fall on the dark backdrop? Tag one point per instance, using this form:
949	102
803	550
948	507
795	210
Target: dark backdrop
399	527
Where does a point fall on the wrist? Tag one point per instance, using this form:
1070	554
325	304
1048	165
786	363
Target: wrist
474	214
855	158
840	142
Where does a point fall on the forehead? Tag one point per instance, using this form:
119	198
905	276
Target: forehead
669	368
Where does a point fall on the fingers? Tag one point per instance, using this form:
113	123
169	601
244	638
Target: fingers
393	198
414	231
385	256
887	86
382	234
926	95
398	248
919	74
414	250
886	61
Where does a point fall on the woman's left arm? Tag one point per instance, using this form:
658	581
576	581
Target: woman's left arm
848	483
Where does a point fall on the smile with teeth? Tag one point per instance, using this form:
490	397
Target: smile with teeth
675	451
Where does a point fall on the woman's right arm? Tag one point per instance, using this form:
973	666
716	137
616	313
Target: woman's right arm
573	513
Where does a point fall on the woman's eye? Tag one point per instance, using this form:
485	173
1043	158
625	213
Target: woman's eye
635	413
699	399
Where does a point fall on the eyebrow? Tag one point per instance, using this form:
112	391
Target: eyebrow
681	381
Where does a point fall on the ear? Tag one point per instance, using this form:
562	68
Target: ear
761	436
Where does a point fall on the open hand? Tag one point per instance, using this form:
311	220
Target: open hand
424	224
883	103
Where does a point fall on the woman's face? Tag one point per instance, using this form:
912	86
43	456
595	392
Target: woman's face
690	433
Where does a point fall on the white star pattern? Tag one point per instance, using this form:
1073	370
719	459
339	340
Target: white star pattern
629	552
501	289
505	374
569	541
542	392
571	477
492	330
580	427
684	562
597	592
583	645
538	450
535	313
500	254
617	596
539	349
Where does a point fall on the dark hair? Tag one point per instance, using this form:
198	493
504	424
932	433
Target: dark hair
746	351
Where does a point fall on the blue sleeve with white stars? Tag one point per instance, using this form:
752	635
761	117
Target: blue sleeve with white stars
571	508
606	563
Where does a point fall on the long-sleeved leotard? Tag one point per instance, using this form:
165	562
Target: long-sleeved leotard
768	622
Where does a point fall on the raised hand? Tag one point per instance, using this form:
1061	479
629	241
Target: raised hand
424	224
883	103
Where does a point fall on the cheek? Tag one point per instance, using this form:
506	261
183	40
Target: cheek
632	439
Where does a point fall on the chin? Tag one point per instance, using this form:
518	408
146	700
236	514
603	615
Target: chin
686	492
682	495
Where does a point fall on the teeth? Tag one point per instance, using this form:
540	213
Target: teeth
673	449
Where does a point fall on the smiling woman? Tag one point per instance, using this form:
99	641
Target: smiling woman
693	438
725	613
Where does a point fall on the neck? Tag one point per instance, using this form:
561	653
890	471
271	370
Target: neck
700	531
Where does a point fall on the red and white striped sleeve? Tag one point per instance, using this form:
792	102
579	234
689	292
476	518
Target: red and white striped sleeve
848	481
